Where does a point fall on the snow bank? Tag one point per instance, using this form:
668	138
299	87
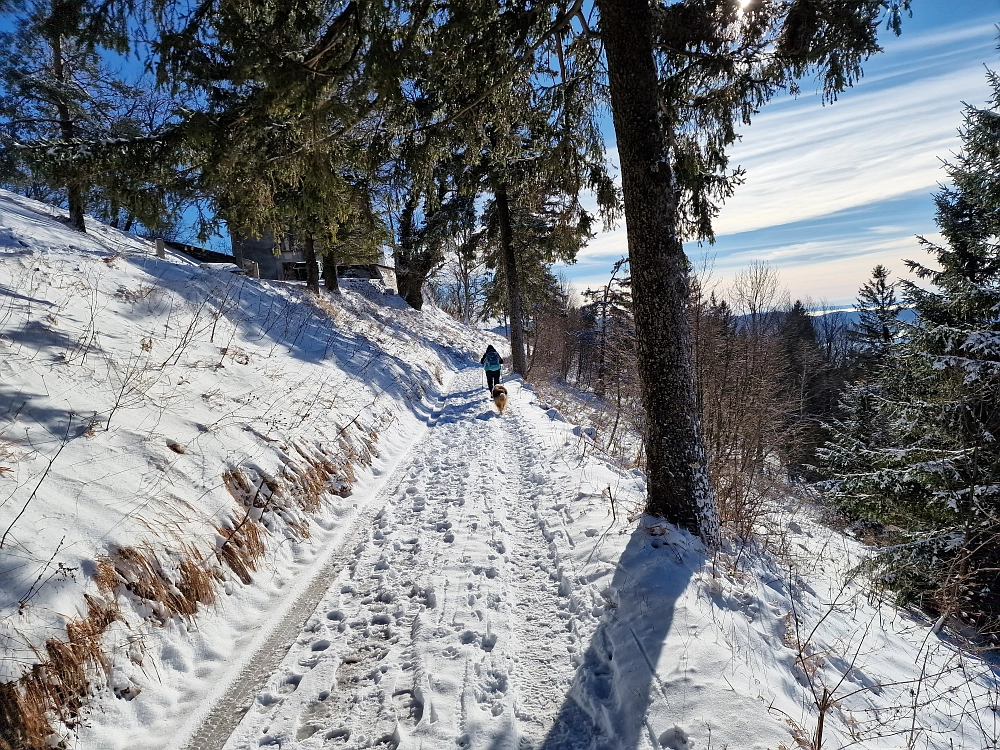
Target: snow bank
164	409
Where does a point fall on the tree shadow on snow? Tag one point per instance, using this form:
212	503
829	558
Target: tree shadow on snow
616	682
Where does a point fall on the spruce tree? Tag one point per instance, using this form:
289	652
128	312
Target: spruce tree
809	389
918	451
56	91
608	311
878	318
289	100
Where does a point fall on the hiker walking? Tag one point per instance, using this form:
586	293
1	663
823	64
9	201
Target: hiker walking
492	362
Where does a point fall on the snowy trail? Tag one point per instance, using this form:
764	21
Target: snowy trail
451	625
235	691
491	583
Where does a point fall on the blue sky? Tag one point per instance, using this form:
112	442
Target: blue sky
832	190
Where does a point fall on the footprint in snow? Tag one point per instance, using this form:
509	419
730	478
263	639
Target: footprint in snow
676	739
290	685
268	699
339	735
408	706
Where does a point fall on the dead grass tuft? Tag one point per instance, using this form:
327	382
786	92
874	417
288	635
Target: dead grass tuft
239	486
58	685
141	572
106	577
197	583
242	548
23	723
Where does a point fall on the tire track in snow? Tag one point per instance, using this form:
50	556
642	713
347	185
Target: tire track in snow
446	628
221	716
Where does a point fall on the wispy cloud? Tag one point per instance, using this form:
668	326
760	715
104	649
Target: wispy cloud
825	258
882	143
833	190
831	270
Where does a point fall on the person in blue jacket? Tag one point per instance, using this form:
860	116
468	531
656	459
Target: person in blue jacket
492	362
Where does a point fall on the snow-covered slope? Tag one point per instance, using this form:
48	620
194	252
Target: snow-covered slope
260	519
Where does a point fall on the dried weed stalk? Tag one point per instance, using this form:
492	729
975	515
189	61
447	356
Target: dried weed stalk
57	686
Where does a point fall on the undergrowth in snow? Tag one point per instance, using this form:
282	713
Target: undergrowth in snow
238	516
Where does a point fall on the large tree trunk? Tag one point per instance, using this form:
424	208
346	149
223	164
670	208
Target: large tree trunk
312	268
411	289
678	487
330	280
409	278
76	207
74	192
510	272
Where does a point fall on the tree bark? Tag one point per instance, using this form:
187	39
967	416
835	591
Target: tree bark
74	192
678	488
510	272
409	279
330	280
312	268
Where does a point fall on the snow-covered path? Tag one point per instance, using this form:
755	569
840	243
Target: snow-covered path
448	626
489	582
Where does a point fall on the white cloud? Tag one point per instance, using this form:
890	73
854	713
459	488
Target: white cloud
836	279
830	271
881	142
811	161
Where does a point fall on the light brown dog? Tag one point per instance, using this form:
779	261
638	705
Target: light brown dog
499	394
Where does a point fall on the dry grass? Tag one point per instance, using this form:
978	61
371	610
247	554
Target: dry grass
141	572
243	547
320	476
173	583
58	684
197	583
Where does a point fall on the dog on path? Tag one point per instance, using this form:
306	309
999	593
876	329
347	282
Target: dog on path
499	394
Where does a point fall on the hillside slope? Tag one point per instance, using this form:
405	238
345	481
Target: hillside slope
234	516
